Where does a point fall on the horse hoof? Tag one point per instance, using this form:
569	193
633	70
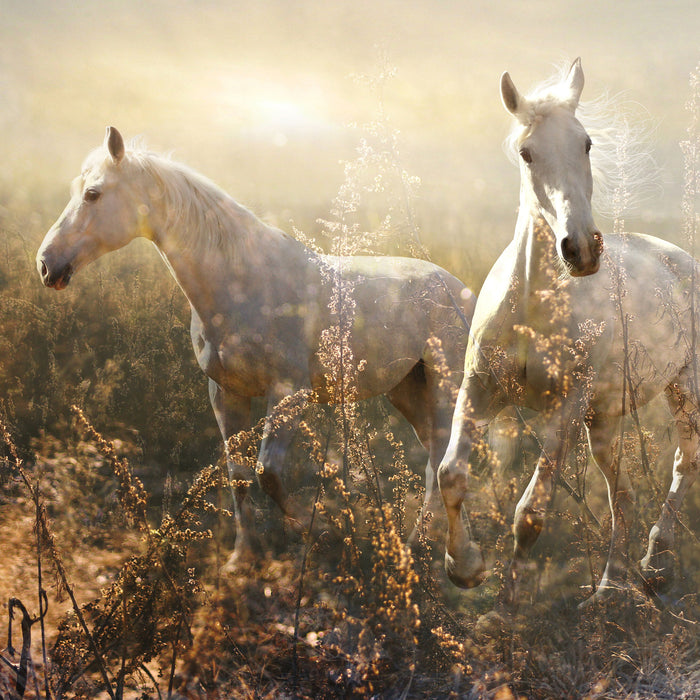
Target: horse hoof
295	525
231	566
467	568
241	557
491	625
605	592
593	600
613	594
657	573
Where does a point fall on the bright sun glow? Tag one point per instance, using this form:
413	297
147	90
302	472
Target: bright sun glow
267	111
282	113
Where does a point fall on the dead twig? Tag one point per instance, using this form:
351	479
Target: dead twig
22	669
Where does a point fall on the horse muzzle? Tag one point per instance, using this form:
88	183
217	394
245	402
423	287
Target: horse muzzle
55	278
582	260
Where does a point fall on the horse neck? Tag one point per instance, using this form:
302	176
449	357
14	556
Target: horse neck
231	254
536	261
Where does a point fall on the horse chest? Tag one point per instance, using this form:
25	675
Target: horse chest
235	364
538	372
208	358
518	371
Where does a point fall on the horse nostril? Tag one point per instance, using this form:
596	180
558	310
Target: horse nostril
44	270
568	250
598	244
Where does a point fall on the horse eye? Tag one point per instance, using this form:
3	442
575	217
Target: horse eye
91	194
589	144
526	155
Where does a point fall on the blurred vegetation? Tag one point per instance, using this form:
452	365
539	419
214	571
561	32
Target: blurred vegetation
120	349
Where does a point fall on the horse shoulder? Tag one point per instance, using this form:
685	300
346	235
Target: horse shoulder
499	304
205	350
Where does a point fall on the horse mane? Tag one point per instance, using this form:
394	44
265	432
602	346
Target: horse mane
623	167
203	216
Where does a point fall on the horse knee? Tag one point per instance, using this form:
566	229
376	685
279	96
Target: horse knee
658	563
452	474
271	483
527	526
528	521
240	480
453	485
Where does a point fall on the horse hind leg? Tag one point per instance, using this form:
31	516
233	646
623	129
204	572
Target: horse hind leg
233	414
531	509
658	563
281	424
411	398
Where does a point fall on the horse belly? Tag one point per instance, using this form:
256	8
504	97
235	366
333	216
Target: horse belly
647	372
358	379
383	377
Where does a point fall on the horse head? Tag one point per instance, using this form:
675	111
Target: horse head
96	220
556	178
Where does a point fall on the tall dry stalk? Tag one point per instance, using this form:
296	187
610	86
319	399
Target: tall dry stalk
689	204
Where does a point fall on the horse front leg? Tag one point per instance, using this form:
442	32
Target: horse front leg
530	512
528	520
424	399
657	565
285	411
602	431
233	415
464	562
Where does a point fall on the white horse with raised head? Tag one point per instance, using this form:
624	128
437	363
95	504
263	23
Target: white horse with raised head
580	327
261	302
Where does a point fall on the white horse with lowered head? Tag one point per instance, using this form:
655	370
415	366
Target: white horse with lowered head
261	303
578	326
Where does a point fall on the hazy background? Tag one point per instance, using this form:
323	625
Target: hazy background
260	95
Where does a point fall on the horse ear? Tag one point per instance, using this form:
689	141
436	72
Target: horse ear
115	144
512	100
574	83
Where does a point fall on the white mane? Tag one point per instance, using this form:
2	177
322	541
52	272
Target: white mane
204	217
624	170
